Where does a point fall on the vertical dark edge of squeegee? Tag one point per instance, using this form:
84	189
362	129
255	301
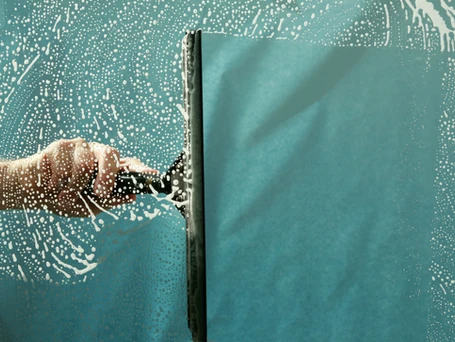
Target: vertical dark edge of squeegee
197	300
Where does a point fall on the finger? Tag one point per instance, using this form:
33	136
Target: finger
76	204
60	158
107	204
135	165
80	204
43	171
83	165
108	166
73	205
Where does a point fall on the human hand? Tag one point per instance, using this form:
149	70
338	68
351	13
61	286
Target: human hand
55	178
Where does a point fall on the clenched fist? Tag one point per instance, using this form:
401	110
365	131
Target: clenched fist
58	177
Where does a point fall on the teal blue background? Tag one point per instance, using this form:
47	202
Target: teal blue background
320	165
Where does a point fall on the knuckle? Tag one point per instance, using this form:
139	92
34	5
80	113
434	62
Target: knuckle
92	144
63	142
64	145
55	145
80	142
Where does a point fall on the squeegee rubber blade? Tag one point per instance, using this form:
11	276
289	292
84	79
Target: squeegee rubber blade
195	246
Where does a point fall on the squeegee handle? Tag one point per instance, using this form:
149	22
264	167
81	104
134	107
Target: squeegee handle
128	183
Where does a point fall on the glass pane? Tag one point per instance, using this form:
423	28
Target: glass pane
319	115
